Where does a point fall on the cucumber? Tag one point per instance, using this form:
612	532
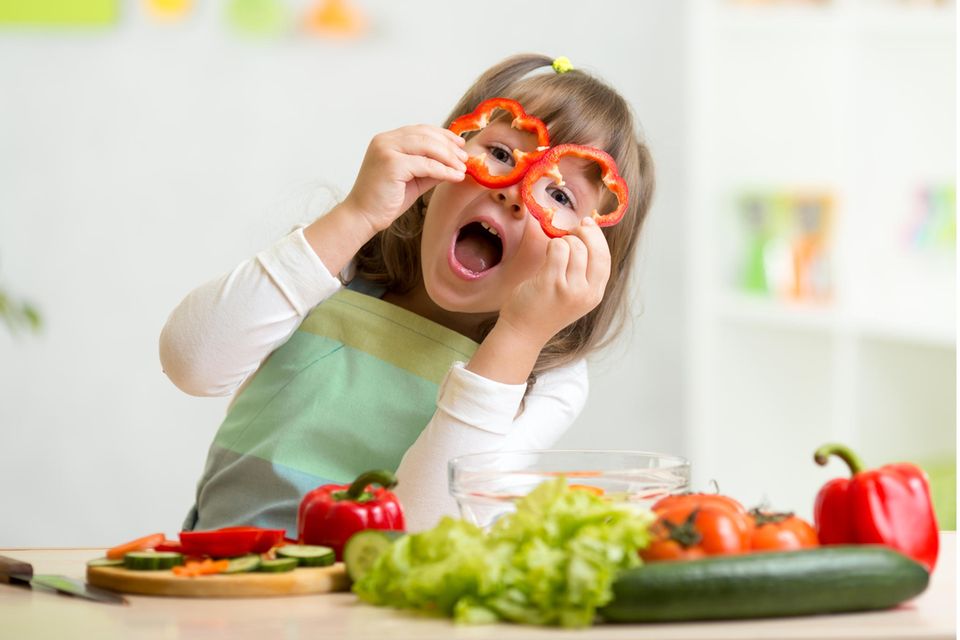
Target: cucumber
278	566
308	555
152	560
767	584
243	564
105	562
364	547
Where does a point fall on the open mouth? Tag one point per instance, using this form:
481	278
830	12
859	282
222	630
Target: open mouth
477	249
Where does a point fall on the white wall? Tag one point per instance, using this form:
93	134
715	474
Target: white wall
139	161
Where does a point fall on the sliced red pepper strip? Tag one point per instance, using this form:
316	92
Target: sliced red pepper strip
479	118
229	542
549	166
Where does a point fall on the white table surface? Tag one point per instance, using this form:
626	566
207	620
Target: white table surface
25	614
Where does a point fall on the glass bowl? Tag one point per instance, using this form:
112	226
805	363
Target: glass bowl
487	485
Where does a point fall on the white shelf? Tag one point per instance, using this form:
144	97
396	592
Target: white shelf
855	98
822	316
758	310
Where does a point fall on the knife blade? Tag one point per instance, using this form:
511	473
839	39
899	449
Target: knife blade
17	572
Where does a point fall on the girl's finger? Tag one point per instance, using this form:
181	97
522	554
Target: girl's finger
458	140
555	267
598	260
432	142
417	166
576	273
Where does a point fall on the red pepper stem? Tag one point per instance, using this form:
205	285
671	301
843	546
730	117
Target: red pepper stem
845	453
384	478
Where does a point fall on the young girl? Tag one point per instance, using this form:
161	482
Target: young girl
444	341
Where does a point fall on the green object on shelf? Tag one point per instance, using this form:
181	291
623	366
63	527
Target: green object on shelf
943	491
755	215
58	12
258	17
755	272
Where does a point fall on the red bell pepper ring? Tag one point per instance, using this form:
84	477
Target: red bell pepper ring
329	515
480	118
549	166
889	505
229	541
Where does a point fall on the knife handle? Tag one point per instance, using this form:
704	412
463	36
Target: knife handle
16	569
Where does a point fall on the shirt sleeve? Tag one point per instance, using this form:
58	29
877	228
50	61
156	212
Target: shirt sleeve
223	330
475	414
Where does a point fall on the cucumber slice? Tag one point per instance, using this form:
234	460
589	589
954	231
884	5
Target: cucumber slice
278	566
106	562
308	555
244	564
152	560
364	547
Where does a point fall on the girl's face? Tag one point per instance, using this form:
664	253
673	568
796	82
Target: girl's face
479	244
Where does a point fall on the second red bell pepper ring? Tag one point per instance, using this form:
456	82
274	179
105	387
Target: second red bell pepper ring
889	505
479	118
330	514
549	166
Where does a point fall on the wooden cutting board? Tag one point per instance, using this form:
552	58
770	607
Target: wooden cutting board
300	581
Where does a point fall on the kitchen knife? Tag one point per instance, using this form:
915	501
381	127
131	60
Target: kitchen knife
16	572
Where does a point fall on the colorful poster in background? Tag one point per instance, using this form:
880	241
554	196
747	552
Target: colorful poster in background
786	243
258	17
933	224
61	13
335	18
168	10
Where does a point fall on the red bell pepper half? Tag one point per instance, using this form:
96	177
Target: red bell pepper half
230	541
330	514
480	118
549	166
889	505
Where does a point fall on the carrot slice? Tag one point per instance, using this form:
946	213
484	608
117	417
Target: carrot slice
597	491
140	544
205	567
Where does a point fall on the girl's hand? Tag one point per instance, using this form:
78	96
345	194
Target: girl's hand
399	166
569	285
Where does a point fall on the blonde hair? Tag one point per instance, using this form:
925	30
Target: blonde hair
579	109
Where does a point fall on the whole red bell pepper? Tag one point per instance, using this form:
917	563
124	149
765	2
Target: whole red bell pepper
889	505
330	514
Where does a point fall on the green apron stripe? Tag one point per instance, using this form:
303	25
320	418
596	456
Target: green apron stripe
412	342
344	412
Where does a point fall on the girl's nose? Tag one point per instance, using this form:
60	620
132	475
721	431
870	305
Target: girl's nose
509	199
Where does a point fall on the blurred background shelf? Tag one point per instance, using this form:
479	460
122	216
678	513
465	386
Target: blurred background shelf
822	260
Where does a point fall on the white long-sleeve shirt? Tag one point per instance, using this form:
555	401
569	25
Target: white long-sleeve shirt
219	335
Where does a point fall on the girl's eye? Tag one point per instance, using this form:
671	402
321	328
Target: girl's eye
561	197
502	154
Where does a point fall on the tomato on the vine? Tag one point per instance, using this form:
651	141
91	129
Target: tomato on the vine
690	529
699	500
781	532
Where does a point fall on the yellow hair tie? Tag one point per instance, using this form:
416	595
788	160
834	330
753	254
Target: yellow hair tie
562	64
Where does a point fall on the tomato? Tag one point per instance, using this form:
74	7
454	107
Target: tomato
781	532
699	500
230	541
691	530
666	549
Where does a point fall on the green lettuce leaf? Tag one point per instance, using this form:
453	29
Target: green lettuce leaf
552	562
